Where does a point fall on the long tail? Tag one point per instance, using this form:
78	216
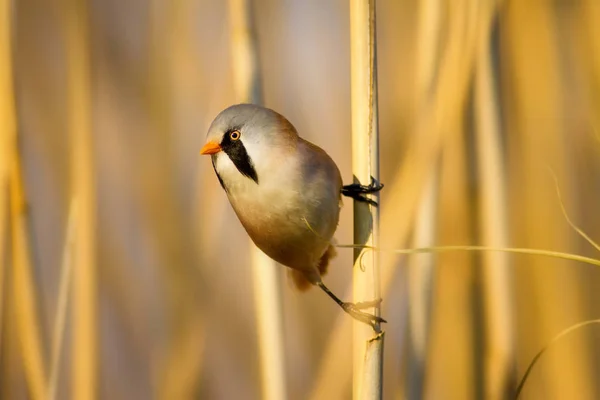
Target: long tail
300	280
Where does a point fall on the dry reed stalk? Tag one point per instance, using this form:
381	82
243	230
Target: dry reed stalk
8	130
456	349
246	71
62	303
498	359
590	12
405	191
25	290
367	348
267	296
12	370
178	366
25	302
3	256
428	52
421	268
451	369
84	298
542	137
420	280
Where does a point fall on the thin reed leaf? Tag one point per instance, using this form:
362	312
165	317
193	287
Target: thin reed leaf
544	349
62	302
443	249
515	250
566	215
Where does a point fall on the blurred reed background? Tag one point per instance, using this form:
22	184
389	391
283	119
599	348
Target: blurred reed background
124	273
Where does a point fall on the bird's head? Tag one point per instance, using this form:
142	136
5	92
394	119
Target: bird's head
246	139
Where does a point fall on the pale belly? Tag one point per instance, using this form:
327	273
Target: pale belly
292	211
293	232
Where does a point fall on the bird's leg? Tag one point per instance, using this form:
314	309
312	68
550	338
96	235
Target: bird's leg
358	191
354	309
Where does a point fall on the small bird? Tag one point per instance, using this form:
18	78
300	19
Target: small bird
285	191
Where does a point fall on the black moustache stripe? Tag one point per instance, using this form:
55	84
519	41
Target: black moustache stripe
237	153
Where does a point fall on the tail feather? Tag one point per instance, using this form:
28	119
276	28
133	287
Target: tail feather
300	279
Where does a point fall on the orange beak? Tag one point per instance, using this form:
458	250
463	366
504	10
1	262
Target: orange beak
210	148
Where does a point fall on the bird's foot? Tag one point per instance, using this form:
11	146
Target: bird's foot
354	309
358	191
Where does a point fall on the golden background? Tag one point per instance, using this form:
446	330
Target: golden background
104	106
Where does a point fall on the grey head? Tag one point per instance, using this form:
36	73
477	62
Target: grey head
251	137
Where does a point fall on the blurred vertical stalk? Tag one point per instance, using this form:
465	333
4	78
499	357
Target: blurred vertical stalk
84	295
420	279
427	49
498	361
590	11
26	312
421	267
541	134
62	304
244	53
265	271
177	365
367	349
8	129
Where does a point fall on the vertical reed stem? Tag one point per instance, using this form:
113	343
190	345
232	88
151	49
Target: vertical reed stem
25	302
29	328
497	295
7	133
420	281
421	267
244	54
368	349
85	327
406	189
267	296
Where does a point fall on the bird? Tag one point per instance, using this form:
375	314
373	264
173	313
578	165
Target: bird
286	192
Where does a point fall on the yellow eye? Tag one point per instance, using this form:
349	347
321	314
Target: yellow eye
235	135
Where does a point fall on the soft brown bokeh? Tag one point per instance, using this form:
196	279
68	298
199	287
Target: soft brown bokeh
161	299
